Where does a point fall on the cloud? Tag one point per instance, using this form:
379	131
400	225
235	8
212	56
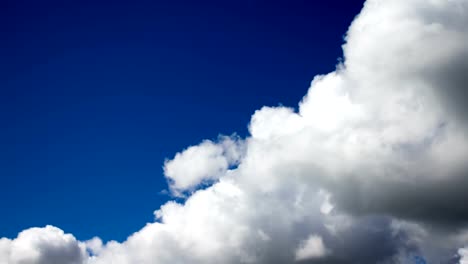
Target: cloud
311	248
373	163
206	161
463	252
48	245
94	246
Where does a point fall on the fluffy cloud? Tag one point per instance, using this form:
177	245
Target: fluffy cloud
373	163
463	252
48	245
204	162
311	248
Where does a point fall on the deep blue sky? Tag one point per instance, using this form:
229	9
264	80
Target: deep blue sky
94	95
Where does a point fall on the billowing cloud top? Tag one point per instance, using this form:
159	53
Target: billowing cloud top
198	164
372	168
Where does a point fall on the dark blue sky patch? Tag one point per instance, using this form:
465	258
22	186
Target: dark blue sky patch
94	95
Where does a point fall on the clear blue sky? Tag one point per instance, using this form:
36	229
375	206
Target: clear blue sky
94	95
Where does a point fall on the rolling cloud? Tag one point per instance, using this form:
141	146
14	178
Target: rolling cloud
371	168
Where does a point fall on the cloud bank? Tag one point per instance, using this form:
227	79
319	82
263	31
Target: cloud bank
371	168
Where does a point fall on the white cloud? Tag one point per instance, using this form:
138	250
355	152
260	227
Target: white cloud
463	252
206	161
48	245
374	161
94	245
5	248
313	247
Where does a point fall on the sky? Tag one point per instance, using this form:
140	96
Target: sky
95	95
246	132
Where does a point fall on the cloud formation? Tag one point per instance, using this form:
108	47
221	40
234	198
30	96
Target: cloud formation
463	252
204	162
371	168
48	245
311	248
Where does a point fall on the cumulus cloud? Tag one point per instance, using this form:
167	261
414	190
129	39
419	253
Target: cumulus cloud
94	246
372	164
311	248
463	252
203	162
48	245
